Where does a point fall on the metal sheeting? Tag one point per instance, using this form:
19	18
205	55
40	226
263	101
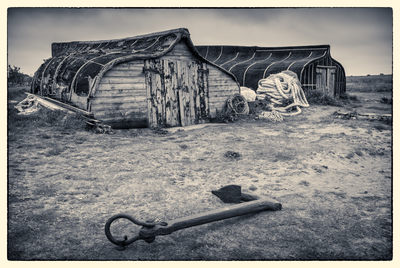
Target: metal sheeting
250	64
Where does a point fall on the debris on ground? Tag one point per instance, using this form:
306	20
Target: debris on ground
160	131
232	155
28	105
99	127
32	104
192	127
273	116
284	92
368	116
233	194
252	188
347	116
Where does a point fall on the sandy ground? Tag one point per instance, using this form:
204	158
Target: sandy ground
333	178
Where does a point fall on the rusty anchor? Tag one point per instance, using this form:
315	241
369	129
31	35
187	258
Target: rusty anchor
150	230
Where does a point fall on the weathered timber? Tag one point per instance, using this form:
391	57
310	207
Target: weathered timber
369	116
133	86
121	80
124	73
120	93
194	127
122	115
119	100
161	75
116	106
49	104
137	67
54	104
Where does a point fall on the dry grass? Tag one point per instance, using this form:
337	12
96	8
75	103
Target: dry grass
318	97
375	83
64	183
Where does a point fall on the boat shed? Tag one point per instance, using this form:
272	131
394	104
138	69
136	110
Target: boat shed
313	65
153	80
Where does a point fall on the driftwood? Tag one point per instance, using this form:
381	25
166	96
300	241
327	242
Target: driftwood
48	104
93	123
53	104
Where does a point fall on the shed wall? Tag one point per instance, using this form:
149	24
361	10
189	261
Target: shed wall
221	87
220	84
120	98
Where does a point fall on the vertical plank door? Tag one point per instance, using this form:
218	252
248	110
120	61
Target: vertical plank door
325	79
177	92
331	80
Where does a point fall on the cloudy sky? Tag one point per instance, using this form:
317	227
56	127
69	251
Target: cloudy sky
360	38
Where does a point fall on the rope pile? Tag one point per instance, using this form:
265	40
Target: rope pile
284	92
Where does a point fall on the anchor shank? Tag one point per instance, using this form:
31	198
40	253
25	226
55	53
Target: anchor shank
211	216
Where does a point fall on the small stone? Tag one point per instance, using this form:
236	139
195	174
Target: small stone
252	188
305	183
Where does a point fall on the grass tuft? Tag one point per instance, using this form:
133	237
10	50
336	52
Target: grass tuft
347	97
44	118
320	98
160	131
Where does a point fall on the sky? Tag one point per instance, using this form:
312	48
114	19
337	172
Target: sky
360	38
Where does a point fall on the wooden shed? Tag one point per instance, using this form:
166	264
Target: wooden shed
314	65
155	80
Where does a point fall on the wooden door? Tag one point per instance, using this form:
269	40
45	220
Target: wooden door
325	80
177	92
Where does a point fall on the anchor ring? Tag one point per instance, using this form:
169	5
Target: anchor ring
126	241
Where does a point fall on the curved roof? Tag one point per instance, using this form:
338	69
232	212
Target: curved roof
250	64
73	62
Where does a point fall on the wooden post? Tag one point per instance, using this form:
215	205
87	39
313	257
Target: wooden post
181	109
192	88
174	94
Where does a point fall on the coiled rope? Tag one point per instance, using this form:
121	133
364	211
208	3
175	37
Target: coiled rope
280	89
237	104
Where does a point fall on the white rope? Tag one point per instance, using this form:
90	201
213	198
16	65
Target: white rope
280	87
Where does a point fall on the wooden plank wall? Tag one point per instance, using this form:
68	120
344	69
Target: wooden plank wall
176	90
121	96
220	85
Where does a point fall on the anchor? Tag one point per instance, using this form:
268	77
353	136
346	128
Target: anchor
150	230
